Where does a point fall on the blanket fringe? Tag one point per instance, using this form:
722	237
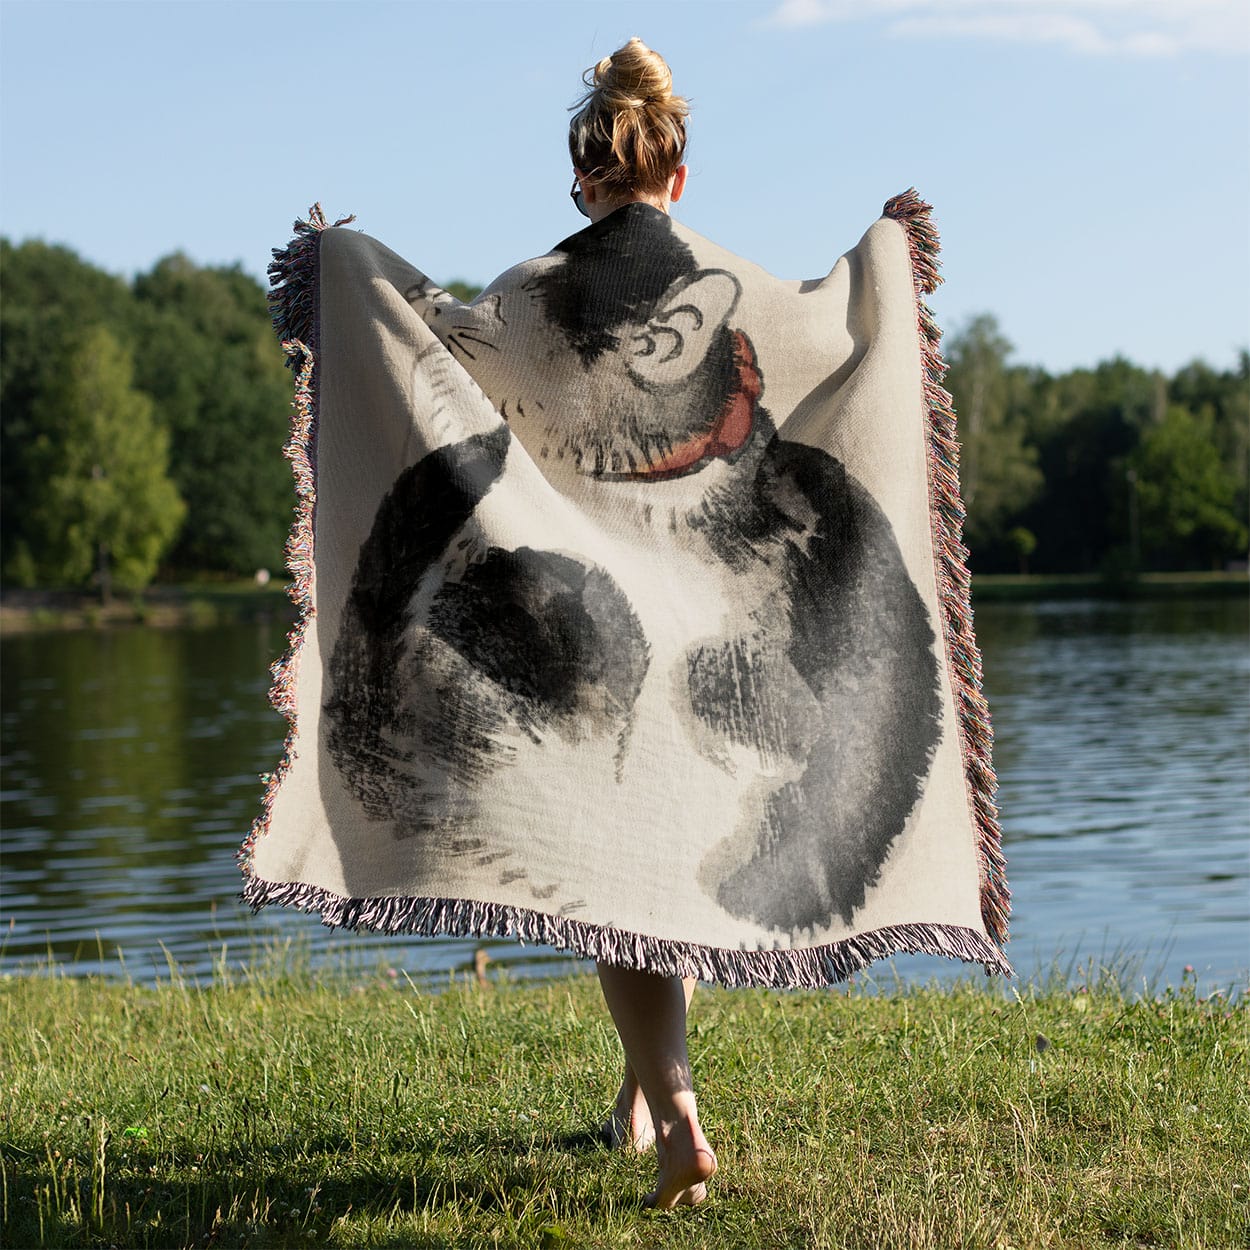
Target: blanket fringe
293	305
808	968
293	281
947	514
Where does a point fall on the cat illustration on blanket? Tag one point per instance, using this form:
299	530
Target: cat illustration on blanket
823	668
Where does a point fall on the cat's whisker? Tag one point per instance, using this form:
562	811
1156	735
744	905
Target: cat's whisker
484	342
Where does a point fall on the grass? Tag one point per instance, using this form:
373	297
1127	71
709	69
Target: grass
287	1108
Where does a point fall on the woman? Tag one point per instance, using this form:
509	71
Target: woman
640	624
628	141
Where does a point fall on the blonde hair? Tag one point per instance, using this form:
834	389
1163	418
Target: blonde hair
629	133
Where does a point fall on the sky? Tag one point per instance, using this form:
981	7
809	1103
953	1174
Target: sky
1088	160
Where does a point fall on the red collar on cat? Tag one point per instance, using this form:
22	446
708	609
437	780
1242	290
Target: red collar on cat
732	426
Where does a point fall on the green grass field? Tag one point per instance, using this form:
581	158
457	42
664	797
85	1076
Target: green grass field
282	1108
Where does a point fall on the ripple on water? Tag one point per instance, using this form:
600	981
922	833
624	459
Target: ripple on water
132	765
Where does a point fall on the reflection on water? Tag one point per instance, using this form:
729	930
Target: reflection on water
1122	744
130	777
131	762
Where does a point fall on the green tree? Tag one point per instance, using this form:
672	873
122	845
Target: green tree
1221	398
1086	423
208	357
51	298
1023	542
1186	495
106	507
464	291
998	470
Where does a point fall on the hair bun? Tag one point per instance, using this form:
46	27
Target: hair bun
633	77
629	131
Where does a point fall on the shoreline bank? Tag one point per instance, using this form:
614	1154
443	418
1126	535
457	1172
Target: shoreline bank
196	604
192	604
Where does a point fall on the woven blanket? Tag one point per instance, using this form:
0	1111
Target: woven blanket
634	618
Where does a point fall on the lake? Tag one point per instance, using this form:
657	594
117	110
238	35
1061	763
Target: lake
1122	737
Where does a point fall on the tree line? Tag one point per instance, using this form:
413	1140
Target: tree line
142	423
1112	470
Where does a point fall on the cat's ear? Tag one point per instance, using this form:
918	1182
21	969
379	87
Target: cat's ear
430	300
676	339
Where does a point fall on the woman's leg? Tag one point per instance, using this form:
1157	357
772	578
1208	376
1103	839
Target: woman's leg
650	1015
629	1124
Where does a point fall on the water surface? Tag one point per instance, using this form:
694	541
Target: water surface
131	760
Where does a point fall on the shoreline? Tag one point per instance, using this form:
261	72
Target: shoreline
202	604
176	605
1012	587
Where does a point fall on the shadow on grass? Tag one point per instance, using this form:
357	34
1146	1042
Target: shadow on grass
256	1198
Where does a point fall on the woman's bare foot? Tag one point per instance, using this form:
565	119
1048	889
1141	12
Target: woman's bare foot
649	1011
686	1165
629	1126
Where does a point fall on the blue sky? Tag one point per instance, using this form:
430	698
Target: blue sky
1088	160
